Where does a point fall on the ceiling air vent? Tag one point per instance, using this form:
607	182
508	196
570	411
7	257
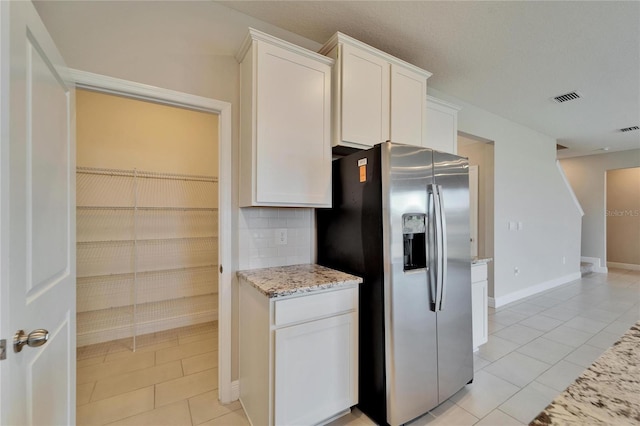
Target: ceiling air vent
630	129
567	97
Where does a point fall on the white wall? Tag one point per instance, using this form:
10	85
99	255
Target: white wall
587	177
529	189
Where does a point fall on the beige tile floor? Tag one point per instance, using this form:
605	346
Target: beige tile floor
536	348
171	379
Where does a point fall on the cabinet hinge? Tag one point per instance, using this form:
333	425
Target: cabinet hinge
3	349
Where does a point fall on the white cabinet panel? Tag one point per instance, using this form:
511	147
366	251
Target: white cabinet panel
365	97
479	304
377	97
478	272
315	370
408	106
442	125
289	311
298	364
285	151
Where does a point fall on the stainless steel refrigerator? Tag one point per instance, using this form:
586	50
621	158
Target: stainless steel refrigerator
400	220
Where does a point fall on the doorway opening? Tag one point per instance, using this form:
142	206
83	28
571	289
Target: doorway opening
623	218
480	153
147	222
147	204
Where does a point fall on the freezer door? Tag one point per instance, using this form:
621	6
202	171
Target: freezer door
410	324
455	352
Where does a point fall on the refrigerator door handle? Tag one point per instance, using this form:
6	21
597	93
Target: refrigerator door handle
442	245
438	244
431	243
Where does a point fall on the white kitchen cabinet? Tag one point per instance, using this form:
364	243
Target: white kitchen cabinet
285	124
479	304
376	97
363	113
442	125
408	106
298	355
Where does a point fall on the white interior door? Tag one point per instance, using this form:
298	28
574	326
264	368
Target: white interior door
37	234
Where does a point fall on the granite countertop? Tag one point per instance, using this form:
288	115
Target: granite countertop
286	280
485	260
607	393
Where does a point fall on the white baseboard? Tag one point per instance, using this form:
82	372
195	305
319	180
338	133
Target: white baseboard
154	326
530	291
628	266
596	262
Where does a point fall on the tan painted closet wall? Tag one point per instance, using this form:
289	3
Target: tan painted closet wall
114	132
177	249
623	216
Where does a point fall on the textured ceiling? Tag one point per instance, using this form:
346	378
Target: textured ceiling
509	58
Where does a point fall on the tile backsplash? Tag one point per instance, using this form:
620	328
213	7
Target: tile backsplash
258	227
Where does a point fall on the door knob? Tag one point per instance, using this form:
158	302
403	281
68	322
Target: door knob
34	339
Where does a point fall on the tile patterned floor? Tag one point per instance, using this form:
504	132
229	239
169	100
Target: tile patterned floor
171	379
536	348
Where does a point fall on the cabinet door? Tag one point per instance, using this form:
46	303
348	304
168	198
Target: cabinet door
442	127
315	370
365	98
293	151
479	313
408	106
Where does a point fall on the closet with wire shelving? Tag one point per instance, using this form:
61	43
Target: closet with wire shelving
147	239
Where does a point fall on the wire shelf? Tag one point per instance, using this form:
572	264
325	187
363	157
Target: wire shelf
96	224
111	324
145	240
113	291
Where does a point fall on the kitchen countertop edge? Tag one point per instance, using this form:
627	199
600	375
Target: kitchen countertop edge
280	281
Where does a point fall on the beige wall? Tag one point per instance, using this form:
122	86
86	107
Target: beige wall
481	154
623	216
120	133
587	177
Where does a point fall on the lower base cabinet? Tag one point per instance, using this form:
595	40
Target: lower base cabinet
298	355
479	304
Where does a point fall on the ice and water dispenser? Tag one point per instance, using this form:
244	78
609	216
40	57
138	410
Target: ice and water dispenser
414	236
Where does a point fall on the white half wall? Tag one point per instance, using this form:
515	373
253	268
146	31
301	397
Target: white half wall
587	176
529	194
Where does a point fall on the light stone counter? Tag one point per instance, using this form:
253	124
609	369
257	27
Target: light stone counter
607	393
287	280
479	261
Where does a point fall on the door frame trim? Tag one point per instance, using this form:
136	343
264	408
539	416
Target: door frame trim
116	86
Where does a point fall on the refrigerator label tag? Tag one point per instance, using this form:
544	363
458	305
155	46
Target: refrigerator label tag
362	164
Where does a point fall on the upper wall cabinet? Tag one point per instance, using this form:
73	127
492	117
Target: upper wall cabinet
442	125
285	124
376	97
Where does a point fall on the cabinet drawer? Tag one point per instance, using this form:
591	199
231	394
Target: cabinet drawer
306	308
478	272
